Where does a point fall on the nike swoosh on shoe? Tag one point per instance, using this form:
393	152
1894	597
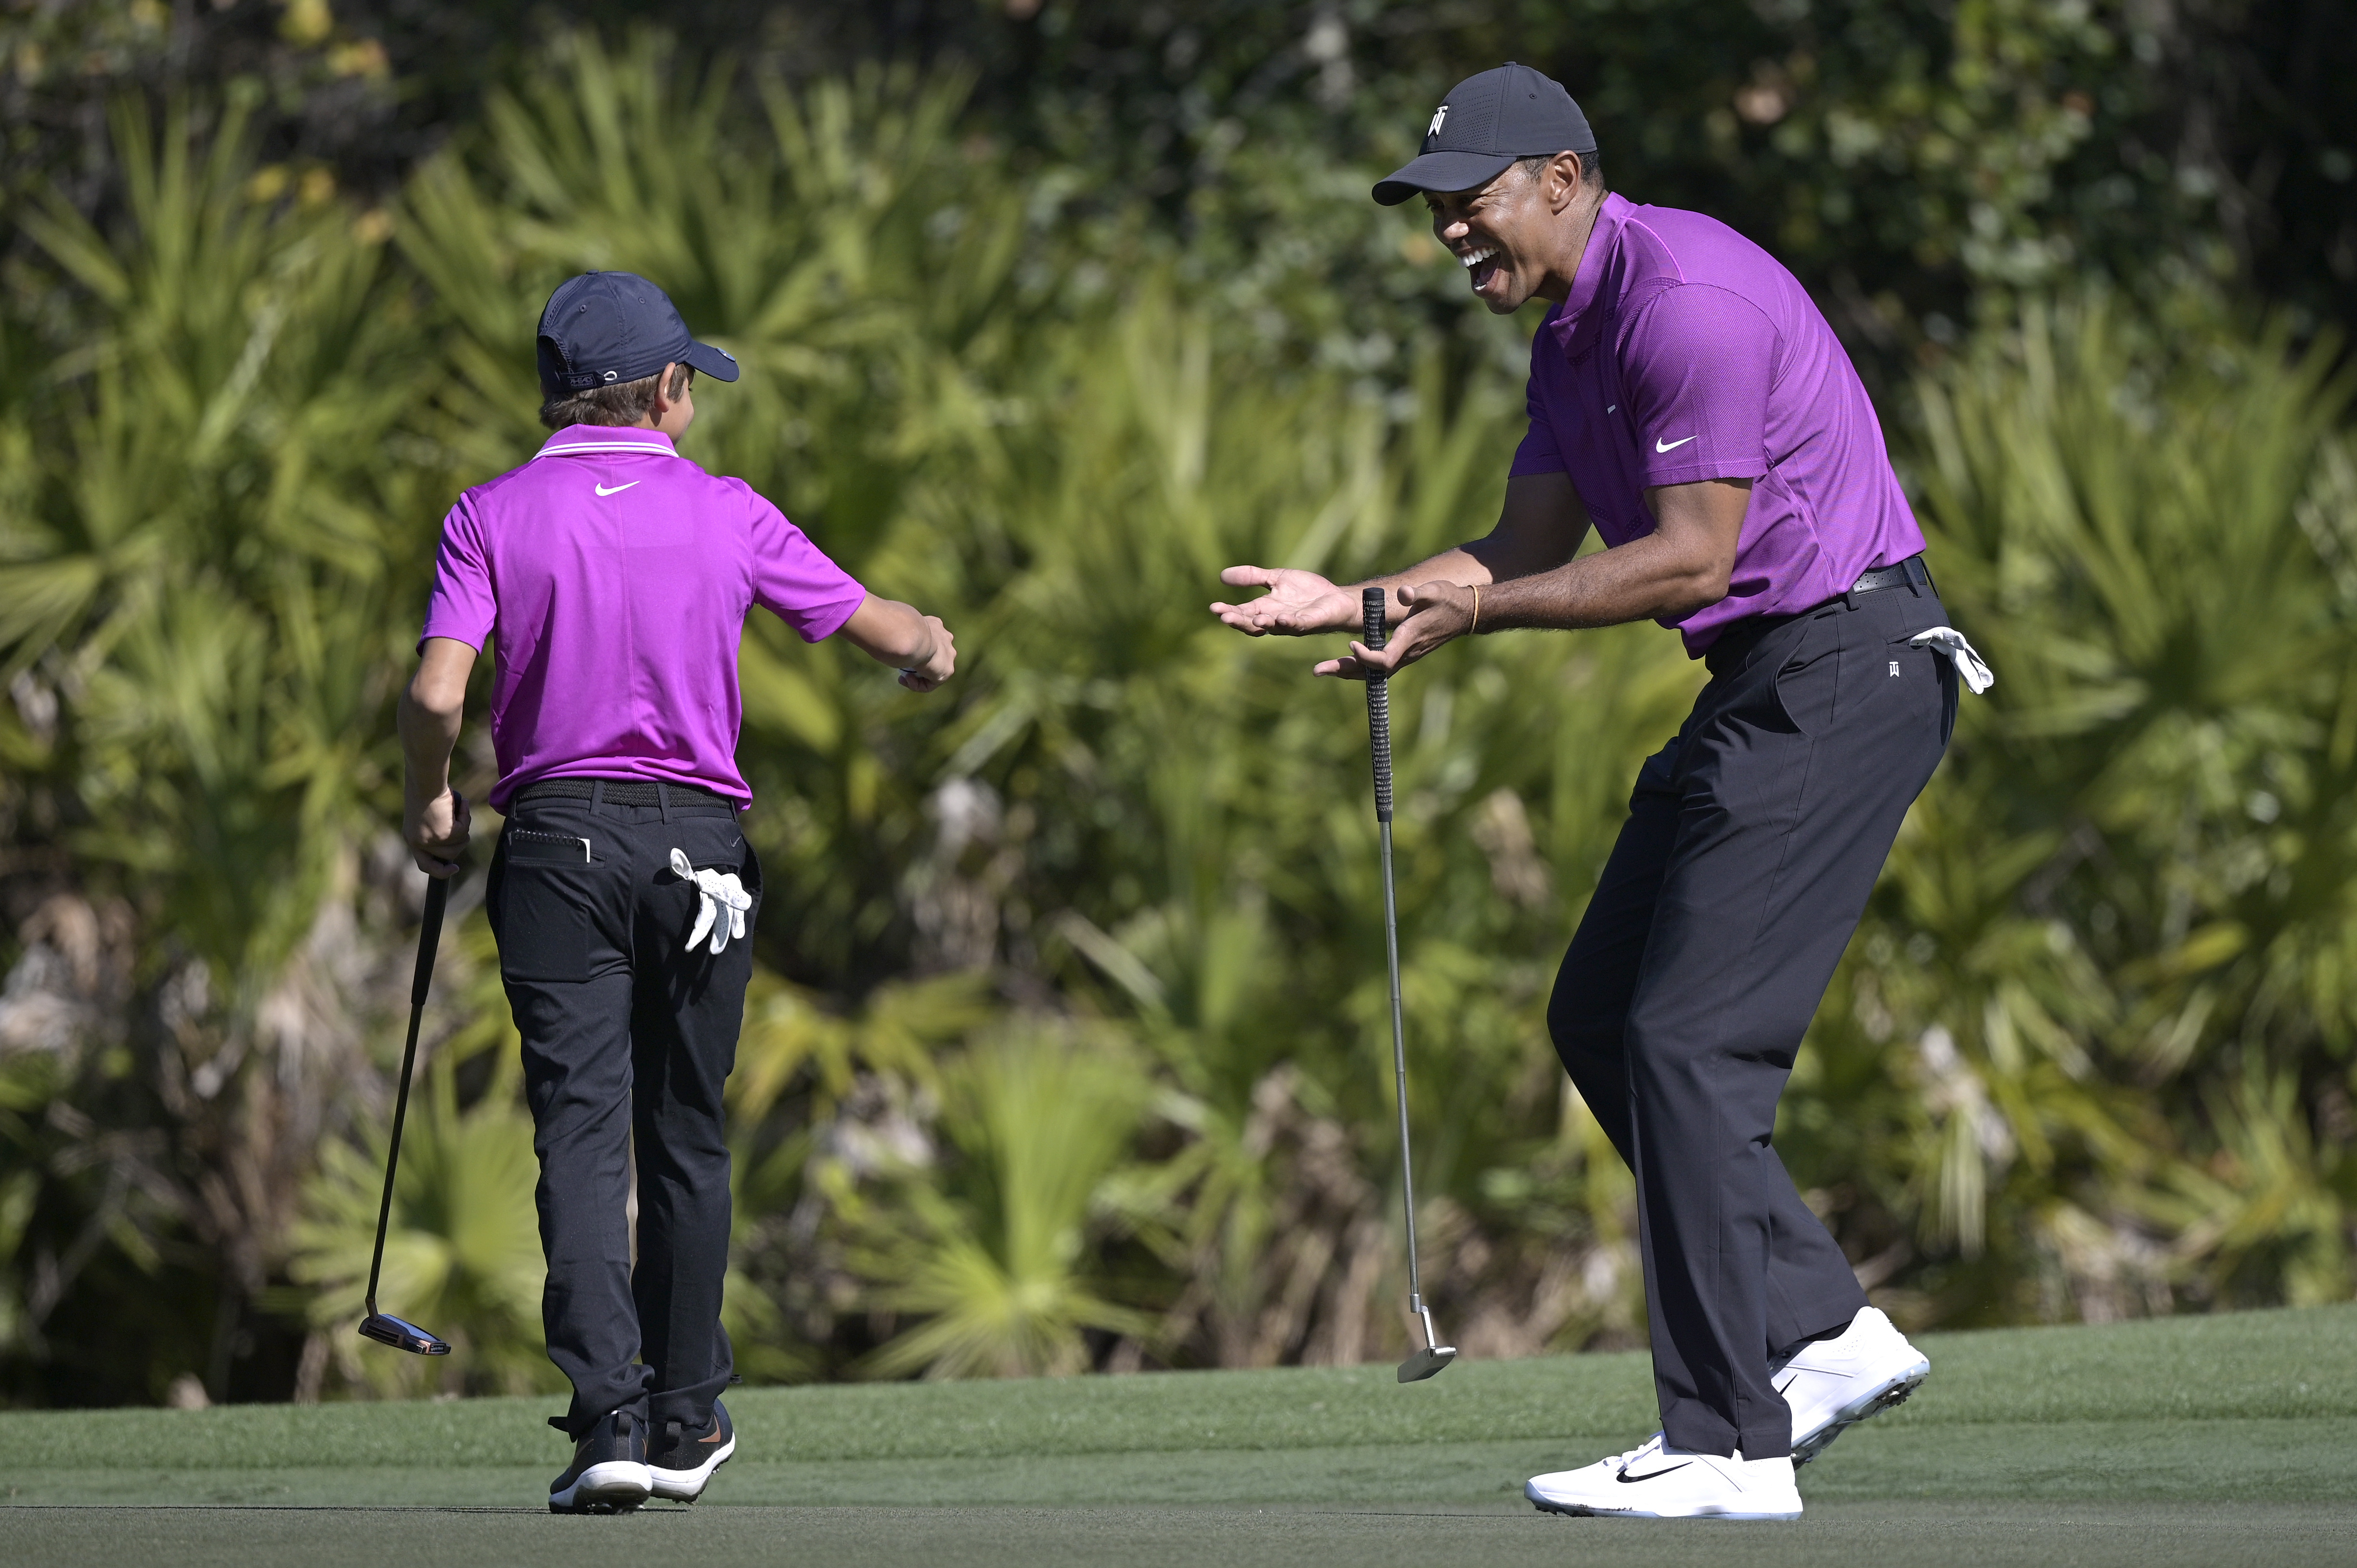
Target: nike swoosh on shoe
1625	1479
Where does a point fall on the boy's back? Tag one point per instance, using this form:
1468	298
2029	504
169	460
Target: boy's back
614	576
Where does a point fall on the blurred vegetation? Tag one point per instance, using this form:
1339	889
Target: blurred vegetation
1065	1050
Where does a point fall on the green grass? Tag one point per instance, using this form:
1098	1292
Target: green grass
2196	1440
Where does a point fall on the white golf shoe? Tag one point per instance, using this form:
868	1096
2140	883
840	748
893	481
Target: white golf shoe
1834	1384
1657	1481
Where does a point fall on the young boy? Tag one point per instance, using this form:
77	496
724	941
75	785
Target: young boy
614	576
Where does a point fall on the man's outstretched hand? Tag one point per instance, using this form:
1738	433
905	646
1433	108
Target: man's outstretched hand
1299	603
1422	618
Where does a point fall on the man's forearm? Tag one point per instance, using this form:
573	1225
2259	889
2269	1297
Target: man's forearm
1507	555
1642	580
1681	566
1487	561
1457	563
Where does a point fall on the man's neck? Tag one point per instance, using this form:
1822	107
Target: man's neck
1565	270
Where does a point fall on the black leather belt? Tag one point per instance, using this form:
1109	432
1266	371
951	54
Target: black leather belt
1910	570
1738	637
625	792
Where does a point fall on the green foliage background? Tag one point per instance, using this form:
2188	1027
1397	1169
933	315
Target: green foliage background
1065	1052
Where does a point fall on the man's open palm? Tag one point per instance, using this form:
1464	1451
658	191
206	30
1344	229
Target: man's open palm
1296	605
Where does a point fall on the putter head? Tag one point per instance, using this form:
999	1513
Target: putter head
1426	1362
387	1329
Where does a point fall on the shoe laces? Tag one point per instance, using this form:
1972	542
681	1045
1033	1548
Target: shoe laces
1651	1446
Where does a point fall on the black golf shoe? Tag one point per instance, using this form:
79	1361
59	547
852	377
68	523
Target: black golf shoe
681	1462
608	1474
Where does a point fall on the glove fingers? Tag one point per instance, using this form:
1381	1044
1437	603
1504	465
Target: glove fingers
1975	670
721	903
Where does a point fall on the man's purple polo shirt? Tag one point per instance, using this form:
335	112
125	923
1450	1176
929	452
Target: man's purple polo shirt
614	576
1686	352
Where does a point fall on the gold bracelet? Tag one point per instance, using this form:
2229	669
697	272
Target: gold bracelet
1476	626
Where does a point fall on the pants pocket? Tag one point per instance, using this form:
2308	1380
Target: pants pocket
540	917
1809	680
1951	683
710	843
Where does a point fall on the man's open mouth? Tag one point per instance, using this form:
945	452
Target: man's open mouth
1481	265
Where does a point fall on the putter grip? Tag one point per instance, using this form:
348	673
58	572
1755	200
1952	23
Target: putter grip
1379	706
437	898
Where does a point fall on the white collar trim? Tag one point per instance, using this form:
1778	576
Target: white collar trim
664	450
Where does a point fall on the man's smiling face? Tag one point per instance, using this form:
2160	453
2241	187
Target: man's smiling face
1509	234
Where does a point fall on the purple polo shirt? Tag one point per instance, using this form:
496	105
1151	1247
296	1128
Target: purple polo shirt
614	576
1686	352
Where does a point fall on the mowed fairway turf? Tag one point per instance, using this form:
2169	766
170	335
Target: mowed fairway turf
2205	1440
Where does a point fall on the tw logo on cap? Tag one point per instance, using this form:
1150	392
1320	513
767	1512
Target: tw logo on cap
1439	116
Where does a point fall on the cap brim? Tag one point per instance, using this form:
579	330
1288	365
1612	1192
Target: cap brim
717	363
1442	171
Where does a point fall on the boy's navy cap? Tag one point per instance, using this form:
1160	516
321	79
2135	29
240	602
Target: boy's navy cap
1488	122
601	329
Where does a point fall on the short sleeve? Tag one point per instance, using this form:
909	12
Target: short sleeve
464	606
793	579
1695	365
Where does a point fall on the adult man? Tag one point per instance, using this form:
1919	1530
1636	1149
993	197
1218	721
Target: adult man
1687	399
615	576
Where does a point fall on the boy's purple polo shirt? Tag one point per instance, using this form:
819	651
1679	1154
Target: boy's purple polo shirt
614	575
1686	352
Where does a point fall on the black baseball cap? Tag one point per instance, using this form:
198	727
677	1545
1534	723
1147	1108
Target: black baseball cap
1486	122
601	329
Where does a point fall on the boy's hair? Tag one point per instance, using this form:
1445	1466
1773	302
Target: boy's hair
625	403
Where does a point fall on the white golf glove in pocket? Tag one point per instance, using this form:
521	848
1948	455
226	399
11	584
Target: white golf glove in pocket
721	902
1970	665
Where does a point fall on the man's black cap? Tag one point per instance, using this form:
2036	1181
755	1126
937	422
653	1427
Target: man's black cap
601	329
1487	122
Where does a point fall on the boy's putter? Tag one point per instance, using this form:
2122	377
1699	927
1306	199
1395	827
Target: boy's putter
382	1326
1435	1355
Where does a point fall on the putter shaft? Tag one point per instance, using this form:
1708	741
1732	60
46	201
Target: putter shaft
429	939
1435	1355
1399	1079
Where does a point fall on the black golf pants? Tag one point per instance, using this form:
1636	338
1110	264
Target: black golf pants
1753	842
628	1039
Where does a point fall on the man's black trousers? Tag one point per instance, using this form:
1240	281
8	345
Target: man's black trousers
1753	842
628	1038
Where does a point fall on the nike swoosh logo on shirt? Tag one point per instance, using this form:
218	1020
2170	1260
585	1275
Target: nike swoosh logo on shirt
617	489
1661	446
1624	1477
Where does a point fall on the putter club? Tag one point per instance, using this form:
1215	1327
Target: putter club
1435	1355
381	1327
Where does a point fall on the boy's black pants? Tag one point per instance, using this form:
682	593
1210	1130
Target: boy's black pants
626	1034
1753	842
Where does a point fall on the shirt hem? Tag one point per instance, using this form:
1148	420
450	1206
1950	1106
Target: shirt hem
432	630
850	608
1689	473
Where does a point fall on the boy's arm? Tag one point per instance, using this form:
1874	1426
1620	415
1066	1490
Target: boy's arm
434	818
917	645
